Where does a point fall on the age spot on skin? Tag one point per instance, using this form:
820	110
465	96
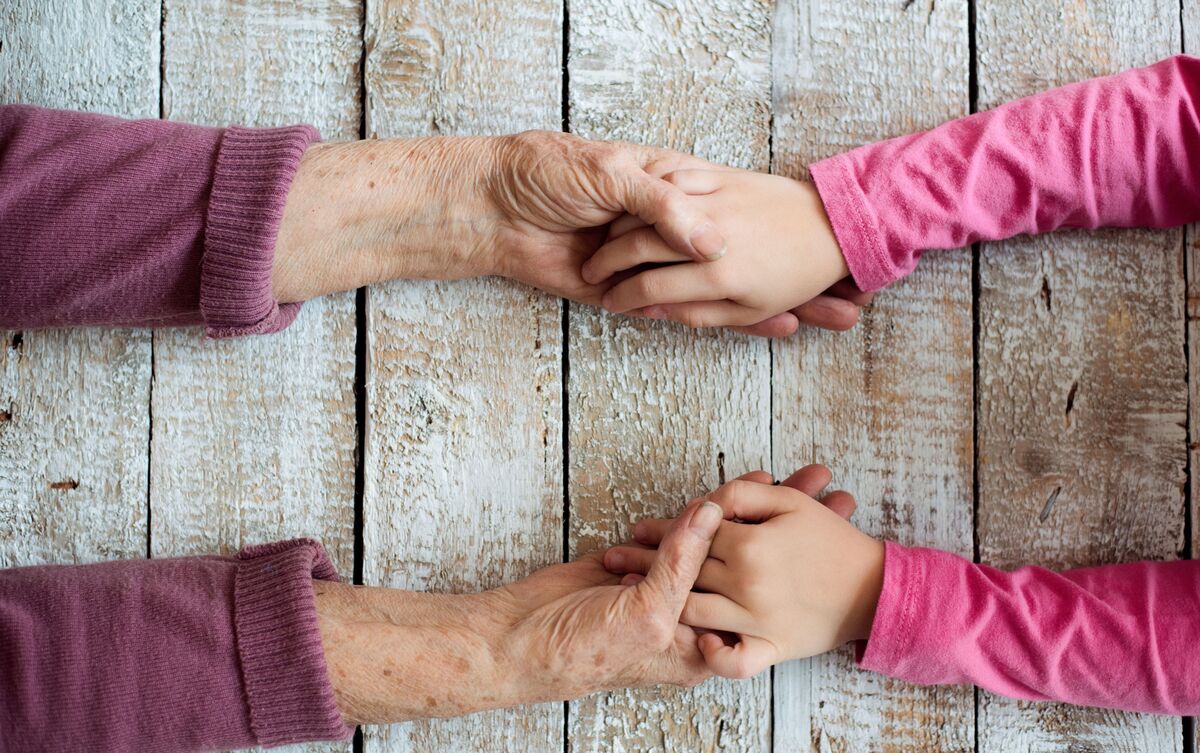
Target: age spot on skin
598	659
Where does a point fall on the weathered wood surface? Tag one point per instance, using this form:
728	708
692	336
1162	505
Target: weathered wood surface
1082	392
658	413
74	405
254	439
1081	405
464	385
887	406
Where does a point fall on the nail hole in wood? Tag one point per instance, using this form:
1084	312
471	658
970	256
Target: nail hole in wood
720	468
1049	504
1071	398
1046	295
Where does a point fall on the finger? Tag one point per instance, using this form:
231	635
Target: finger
629	559
716	612
650	531
674	215
841	503
758	477
828	312
695	182
623	225
632	579
810	479
643	247
680	555
700	314
780	325
658	161
744	500
848	290
678	283
743	660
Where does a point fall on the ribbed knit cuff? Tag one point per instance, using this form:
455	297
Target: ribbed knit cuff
279	644
255	168
853	224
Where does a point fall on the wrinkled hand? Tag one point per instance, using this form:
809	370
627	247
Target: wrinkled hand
577	630
556	193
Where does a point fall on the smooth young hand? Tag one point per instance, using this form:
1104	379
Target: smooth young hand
781	256
787	576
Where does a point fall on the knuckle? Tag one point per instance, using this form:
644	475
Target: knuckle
659	629
742	669
691	318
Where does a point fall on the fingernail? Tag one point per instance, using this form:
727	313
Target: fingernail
706	519
615	561
586	273
652	312
708	242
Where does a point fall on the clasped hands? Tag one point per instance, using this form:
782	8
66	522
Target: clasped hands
752	574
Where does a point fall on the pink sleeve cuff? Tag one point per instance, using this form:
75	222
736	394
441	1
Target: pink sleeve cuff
255	168
893	630
279	643
854	224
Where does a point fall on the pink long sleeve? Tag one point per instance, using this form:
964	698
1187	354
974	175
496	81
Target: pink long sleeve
141	222
175	655
1119	151
1118	636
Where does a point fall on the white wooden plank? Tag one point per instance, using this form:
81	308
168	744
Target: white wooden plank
1082	392
888	405
74	405
464	440
658	413
254	438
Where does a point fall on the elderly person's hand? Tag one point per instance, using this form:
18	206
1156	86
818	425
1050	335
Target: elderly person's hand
533	207
565	631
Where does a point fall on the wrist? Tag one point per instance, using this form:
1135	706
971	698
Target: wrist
369	211
870	586
397	655
830	263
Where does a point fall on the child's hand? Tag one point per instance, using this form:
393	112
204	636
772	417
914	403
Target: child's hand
786	574
781	254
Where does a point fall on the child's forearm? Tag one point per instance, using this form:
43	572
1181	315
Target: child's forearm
1119	151
1119	636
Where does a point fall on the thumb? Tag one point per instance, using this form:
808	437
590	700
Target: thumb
680	555
673	214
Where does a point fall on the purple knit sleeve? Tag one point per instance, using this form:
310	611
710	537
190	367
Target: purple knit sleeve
190	654
147	223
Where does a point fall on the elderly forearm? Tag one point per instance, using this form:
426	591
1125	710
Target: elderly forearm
369	211
397	655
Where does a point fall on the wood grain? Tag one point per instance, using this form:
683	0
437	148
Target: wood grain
464	389
74	405
887	405
1082	391
254	438
659	413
